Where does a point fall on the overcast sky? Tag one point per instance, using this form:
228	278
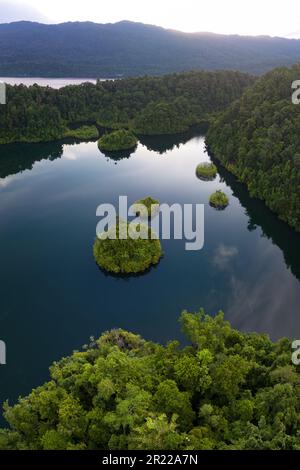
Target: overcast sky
270	17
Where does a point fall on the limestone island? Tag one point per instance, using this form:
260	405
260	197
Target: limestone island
126	256
117	140
206	171
219	200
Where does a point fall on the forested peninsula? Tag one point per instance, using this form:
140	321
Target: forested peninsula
147	105
258	140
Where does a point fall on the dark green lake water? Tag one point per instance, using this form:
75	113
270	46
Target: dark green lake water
53	296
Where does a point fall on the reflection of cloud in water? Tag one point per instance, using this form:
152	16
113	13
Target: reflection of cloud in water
261	303
223	255
69	155
4	182
77	150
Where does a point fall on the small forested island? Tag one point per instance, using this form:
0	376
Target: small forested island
206	171
151	207
226	390
118	140
83	133
126	256
258	140
219	200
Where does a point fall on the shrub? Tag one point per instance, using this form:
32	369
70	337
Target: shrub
206	171
83	133
117	140
219	200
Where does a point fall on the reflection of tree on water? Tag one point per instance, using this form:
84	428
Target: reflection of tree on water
15	158
163	143
118	155
272	227
158	143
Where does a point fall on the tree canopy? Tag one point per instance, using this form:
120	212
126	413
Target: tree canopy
206	171
219	200
224	390
119	255
38	113
83	133
151	207
258	140
117	140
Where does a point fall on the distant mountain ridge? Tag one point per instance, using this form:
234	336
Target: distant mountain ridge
86	49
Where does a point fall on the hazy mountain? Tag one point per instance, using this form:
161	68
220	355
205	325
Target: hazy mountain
125	48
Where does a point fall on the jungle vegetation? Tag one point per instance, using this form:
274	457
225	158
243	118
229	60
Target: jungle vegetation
225	390
206	171
117	252
38	113
164	118
121	139
151	206
219	200
258	140
83	133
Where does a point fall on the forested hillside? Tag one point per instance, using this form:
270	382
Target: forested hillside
129	49
258	140
227	390
147	105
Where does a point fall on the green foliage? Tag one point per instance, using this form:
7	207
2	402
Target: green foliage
219	200
226	390
149	210
83	133
164	118
117	140
37	113
258	140
118	252
206	171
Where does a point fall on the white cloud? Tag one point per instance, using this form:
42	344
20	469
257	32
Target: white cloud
18	11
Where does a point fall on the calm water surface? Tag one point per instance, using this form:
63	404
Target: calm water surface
53	296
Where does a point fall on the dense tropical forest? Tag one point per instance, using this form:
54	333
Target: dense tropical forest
225	390
130	49
258	140
147	105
